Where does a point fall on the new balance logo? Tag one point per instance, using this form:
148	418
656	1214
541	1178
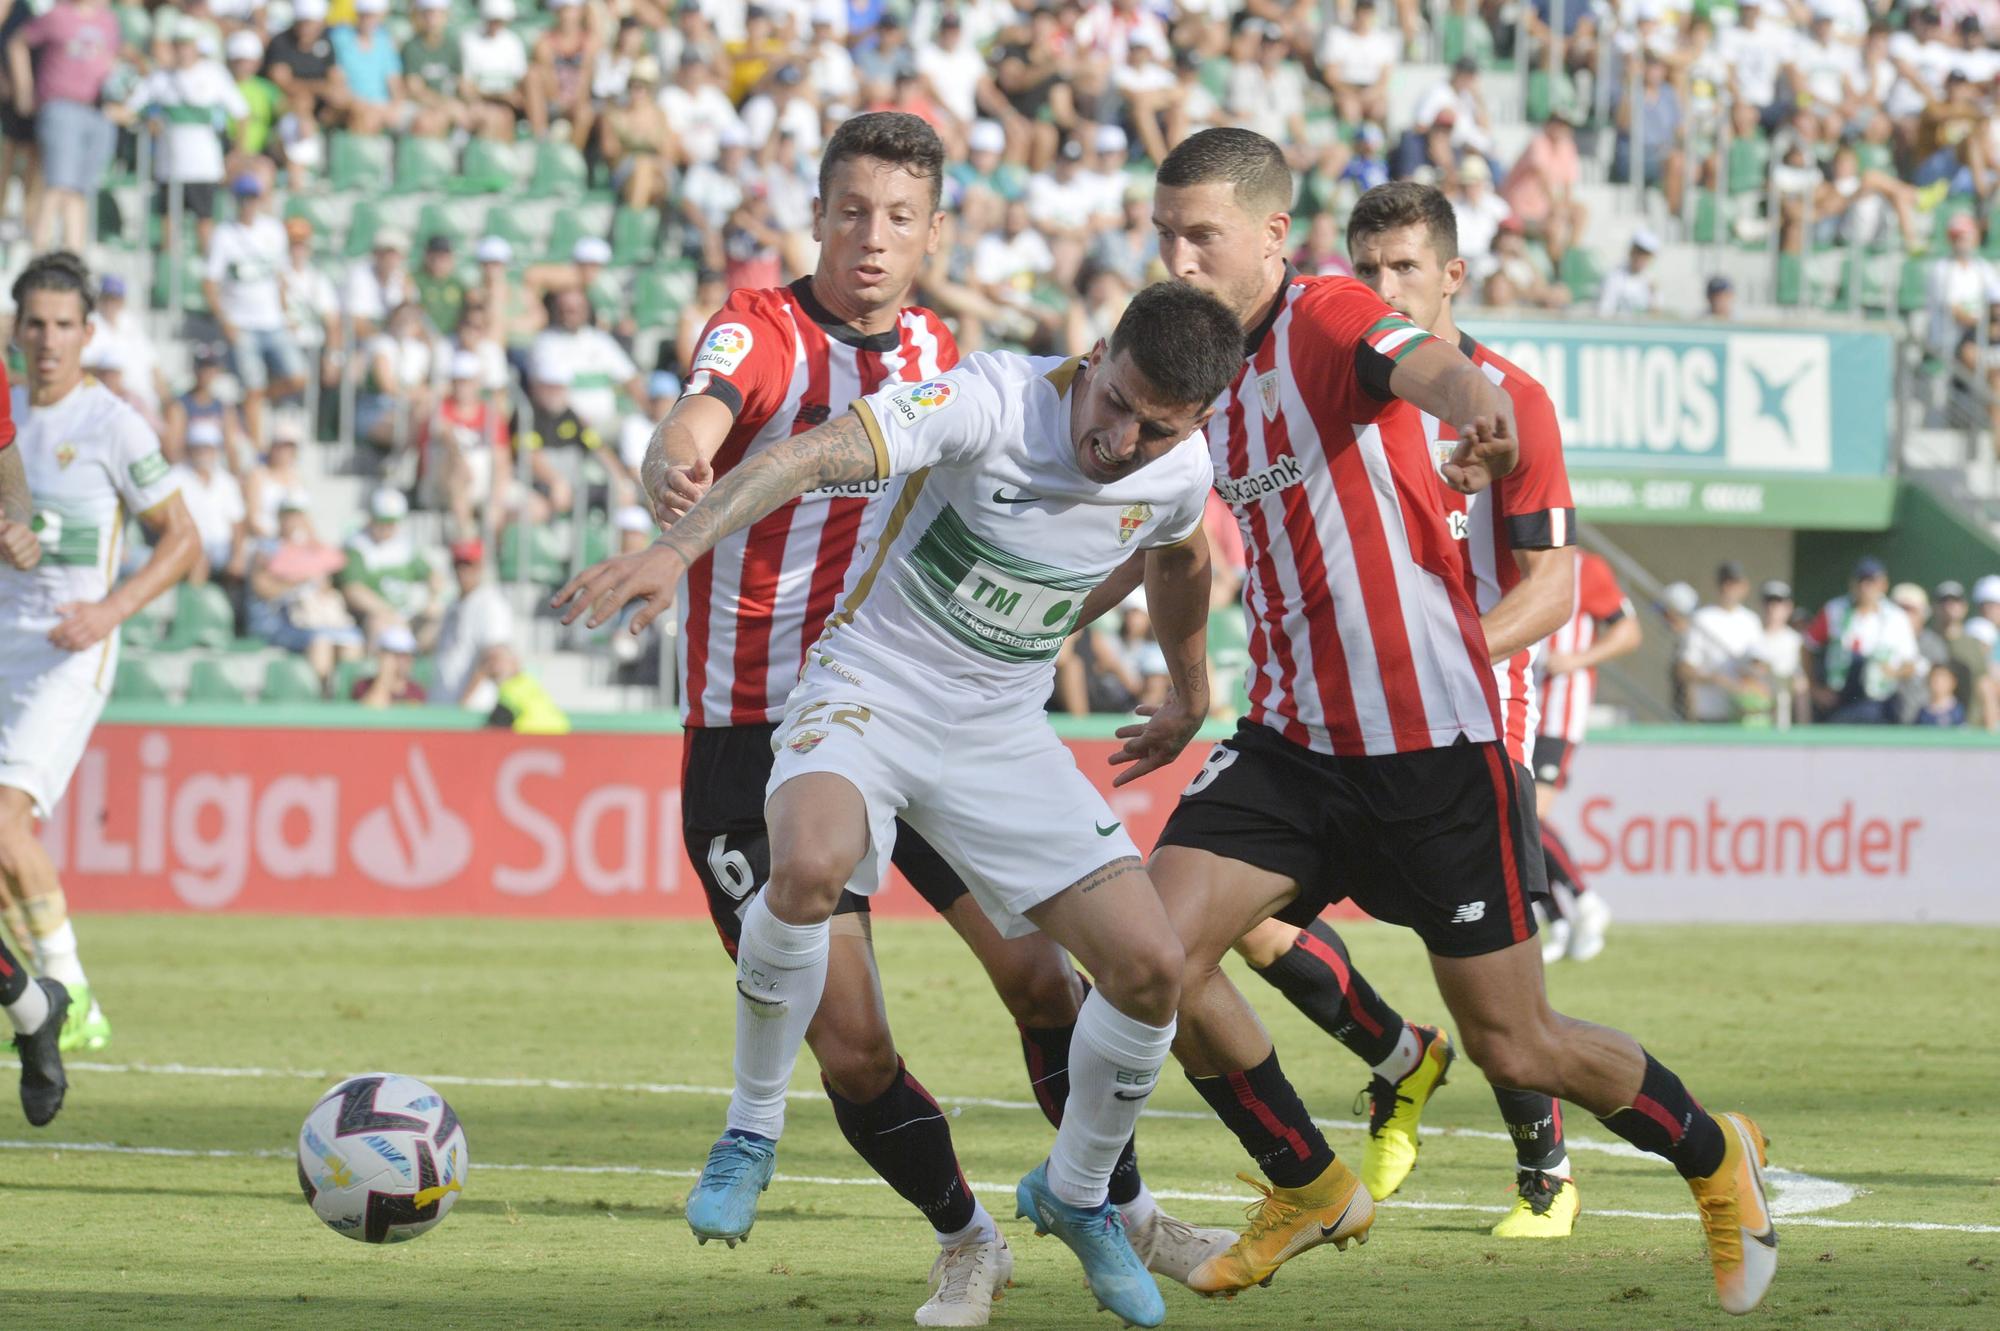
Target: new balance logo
1470	913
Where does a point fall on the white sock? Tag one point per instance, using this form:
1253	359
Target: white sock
980	1229
1140	1209
1402	1061
55	956
1560	1169
29	1011
1114	1062
784	966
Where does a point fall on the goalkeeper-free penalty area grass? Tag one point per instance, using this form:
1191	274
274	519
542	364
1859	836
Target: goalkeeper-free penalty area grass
589	1063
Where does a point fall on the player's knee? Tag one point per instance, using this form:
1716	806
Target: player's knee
17	835
858	1069
806	881
1510	1059
1046	996
1145	980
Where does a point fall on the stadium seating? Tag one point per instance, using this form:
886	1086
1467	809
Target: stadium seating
288	679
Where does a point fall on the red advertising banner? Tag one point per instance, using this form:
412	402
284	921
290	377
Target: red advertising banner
404	822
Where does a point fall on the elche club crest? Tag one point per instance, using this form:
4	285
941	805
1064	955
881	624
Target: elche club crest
805	741
65	454
1130	519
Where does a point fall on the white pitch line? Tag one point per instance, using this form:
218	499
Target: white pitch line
818	1180
1798	1193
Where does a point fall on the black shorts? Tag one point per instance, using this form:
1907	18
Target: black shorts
723	773
1552	760
197	201
1441	841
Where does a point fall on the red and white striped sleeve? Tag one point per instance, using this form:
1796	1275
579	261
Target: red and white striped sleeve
745	357
1347	341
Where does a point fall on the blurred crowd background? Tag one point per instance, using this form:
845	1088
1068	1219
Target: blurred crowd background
404	284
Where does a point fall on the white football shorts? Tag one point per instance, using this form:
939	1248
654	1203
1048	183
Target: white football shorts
995	791
50	700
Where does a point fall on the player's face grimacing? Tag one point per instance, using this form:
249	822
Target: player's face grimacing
1118	421
875	228
1211	242
51	330
1404	268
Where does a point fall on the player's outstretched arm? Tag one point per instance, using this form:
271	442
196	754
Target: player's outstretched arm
20	545
677	472
1177	587
1437	378
176	545
840	452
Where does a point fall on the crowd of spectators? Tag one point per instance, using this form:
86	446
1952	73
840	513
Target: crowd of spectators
1881	654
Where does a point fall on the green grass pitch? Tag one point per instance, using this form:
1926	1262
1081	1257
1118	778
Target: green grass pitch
589	1055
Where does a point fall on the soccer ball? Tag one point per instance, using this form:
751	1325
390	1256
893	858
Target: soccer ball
382	1158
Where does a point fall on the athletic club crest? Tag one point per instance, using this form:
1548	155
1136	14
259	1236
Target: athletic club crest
1267	390
65	454
1130	519
805	741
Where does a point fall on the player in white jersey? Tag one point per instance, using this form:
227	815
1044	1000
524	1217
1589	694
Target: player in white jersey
1026	483
90	460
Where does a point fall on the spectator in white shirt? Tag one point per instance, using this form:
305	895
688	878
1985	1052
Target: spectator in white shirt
1718	659
588	359
1269	94
953	68
1006	263
1479	210
186	103
493	64
1357	62
698	111
378	284
215	502
1866	649
1472	128
1757	54
478	620
124	330
1628	288
1962	287
1062	200
1781	656
246	293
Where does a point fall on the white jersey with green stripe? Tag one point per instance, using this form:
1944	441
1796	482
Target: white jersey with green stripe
996	536
91	460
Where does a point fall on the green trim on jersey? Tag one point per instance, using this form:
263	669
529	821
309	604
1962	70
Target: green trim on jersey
993	601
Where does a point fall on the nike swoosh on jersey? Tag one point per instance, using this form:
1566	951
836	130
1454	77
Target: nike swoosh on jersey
1107	831
1002	497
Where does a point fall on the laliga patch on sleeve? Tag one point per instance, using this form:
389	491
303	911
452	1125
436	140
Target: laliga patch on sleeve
148	470
913	404
723	349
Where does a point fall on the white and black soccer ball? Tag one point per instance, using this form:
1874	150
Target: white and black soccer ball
382	1158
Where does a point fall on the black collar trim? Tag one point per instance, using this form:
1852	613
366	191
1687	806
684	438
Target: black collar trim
838	329
1256	336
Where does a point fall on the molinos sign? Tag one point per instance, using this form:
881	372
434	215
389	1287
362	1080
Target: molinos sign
396	822
1710	396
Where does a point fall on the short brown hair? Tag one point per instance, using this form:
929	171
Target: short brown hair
1186	342
1402	203
890	136
1241	157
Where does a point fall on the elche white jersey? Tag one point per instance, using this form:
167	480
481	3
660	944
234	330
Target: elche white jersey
751	607
90	460
996	536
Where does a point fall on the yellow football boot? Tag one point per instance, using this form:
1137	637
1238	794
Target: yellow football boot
1546	1208
1394	1110
1736	1216
1334	1208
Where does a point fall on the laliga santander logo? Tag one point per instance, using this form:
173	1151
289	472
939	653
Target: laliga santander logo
930	396
727	340
414	841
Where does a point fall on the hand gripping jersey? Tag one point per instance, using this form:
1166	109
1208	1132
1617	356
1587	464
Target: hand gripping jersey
1364	638
1600	602
783	363
1530	509
996	537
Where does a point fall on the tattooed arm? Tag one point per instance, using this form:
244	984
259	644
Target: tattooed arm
20	547
677	470
837	453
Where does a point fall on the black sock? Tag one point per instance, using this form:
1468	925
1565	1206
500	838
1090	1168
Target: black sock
1046	1049
14	979
905	1138
1535	1122
1316	975
1266	1115
1669	1122
1561	866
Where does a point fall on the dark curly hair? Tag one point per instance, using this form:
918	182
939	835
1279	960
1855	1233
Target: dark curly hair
58	270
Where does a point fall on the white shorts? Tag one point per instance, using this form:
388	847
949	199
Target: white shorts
50	700
995	791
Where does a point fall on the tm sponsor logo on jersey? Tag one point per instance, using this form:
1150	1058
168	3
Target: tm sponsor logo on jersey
724	348
913	404
1280	475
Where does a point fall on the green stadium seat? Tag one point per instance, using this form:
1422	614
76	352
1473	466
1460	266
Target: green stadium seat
505	223
423	165
321	212
148	624
441	219
1580	274
635	236
347	674
560	173
362	224
1707	218
537	554
359	162
289	679
203	617
137	681
1913	292
209	682
489	168
191	267
567	229
1791	279
1749	161
424	674
655	302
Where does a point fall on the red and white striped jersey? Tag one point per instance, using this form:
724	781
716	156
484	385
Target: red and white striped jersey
1363	635
1600	603
783	363
1531	509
